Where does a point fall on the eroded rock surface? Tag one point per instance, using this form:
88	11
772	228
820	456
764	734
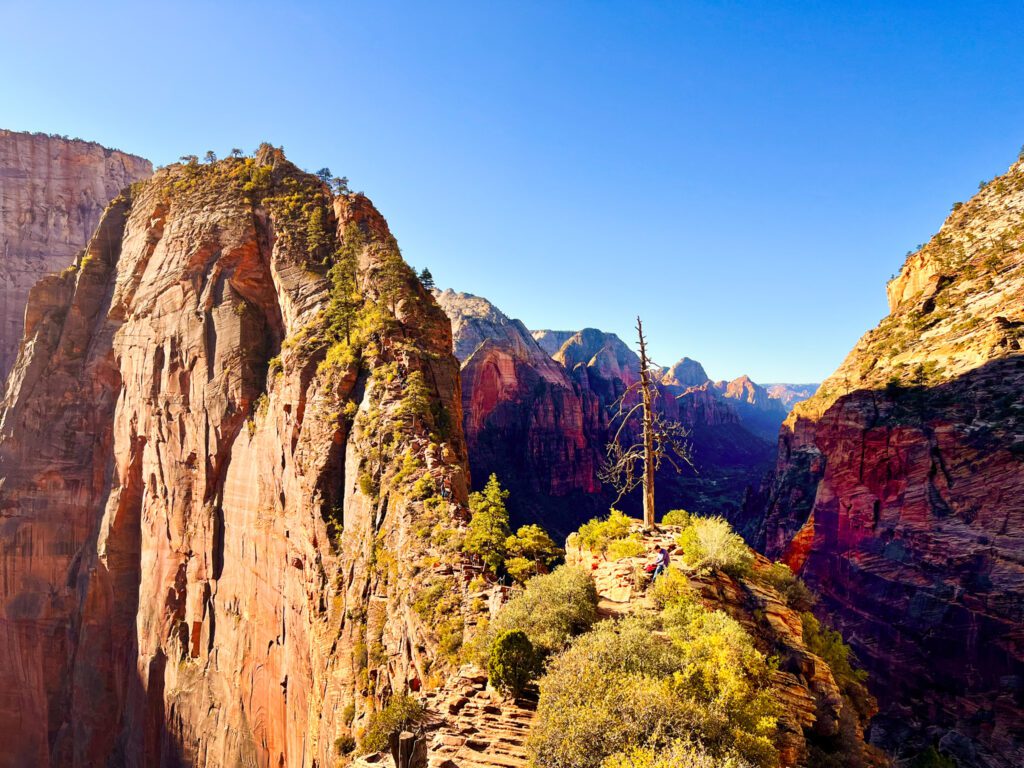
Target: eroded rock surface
52	193
899	490
218	497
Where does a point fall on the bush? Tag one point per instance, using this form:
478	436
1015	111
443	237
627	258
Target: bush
529	552
671	588
631	546
792	588
829	645
401	711
344	744
708	543
680	754
621	688
676	517
597	534
931	757
512	662
551	609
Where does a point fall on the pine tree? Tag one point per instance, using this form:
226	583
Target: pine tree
488	528
427	279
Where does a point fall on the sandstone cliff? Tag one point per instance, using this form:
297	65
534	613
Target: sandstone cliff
791	394
899	490
52	193
537	409
222	541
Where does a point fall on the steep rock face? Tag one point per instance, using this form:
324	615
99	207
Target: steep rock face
522	417
899	490
761	413
217	496
52	194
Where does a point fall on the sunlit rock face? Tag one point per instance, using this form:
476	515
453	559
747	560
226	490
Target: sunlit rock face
210	544
899	489
52	193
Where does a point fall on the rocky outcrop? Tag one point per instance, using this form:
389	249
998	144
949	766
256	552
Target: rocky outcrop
52	193
220	452
813	710
684	374
899	490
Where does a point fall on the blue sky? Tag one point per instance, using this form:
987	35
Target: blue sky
745	175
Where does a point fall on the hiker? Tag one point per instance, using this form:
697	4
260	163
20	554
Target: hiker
446	487
660	563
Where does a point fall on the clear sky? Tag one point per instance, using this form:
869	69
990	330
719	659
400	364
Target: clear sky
745	175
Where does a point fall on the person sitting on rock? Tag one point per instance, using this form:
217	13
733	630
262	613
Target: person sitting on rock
660	563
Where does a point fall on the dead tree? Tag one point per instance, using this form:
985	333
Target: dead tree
630	463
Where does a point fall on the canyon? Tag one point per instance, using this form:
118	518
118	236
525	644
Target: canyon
899	490
52	193
538	410
238	439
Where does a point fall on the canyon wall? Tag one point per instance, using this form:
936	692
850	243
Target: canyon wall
899	490
538	408
52	193
222	536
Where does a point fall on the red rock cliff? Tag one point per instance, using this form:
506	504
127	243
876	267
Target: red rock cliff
52	193
219	458
899	490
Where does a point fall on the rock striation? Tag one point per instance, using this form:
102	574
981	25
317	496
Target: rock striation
221	537
52	193
899	489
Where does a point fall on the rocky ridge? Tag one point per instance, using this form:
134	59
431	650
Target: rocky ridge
223	541
899	489
52	193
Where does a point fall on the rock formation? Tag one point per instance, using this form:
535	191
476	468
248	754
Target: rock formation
816	711
899	490
761	413
52	193
791	394
222	541
537	409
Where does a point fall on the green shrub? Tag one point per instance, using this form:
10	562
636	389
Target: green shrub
676	517
679	754
829	645
708	544
551	609
400	712
631	546
344	745
597	534
621	687
792	588
512	662
671	588
533	550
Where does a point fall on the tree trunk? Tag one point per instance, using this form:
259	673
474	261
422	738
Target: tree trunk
648	426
